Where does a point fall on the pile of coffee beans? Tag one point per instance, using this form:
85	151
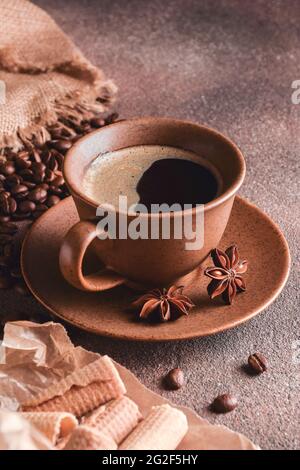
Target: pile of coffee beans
31	182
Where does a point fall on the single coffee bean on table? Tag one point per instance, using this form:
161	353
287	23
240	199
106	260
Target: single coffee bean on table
257	363
224	403
174	380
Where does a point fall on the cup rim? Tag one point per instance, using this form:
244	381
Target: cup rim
148	120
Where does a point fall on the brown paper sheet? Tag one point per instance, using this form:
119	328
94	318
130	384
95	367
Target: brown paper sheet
35	358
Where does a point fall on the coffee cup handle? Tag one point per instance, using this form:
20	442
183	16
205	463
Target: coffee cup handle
71	255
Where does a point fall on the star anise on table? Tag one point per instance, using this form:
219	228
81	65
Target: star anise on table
163	305
226	275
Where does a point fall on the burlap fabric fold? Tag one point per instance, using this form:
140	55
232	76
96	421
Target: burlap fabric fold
43	76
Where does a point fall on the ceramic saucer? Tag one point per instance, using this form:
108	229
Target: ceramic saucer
106	313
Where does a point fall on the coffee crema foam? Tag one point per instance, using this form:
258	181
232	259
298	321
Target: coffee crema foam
119	172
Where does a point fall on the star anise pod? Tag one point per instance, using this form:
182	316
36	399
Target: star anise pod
226	275
164	305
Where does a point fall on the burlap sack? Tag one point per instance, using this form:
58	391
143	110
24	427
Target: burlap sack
44	75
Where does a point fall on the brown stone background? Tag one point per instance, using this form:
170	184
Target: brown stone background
229	64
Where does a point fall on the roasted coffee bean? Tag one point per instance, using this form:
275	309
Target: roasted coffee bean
36	157
4	205
26	174
44	186
29	184
46	155
224	403
8	205
24	154
55	190
52	200
22	164
97	122
38	167
58	181
7	168
49	175
37	194
59	159
257	363
12	180
19	191
12	205
21	288
174	379
53	164
65	191
8	228
38	176
26	206
62	145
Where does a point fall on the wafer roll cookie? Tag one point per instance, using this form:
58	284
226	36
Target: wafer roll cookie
118	419
53	425
91	416
162	429
87	438
80	400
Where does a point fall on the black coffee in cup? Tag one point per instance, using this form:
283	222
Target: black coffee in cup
151	174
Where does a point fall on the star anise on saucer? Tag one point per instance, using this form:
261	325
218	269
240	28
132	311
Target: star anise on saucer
163	305
226	275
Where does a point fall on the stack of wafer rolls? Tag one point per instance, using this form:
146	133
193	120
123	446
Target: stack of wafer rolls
109	420
162	429
87	438
106	385
55	426
117	419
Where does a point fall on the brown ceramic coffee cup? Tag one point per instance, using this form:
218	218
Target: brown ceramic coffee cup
145	263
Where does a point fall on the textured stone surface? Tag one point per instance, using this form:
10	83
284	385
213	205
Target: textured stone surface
229	64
